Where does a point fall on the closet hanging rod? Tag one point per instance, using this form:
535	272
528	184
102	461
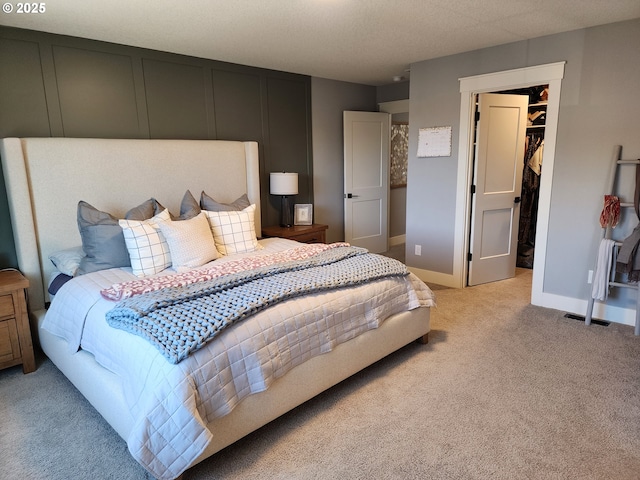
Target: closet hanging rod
629	162
624	285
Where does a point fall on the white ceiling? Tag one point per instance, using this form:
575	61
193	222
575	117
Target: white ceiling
362	41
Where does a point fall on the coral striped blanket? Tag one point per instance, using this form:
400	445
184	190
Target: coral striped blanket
180	320
128	289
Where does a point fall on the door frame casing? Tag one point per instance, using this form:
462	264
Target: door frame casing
551	74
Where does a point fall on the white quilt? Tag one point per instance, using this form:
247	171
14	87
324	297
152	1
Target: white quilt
174	402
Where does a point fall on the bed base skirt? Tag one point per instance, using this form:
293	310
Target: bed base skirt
102	388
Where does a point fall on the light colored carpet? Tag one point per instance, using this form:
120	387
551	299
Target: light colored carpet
503	390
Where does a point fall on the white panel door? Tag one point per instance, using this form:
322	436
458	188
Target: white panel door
500	137
366	179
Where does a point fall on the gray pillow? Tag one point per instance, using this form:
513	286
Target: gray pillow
102	237
189	207
102	240
145	211
208	203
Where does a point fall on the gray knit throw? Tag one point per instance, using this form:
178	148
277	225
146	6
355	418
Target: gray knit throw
180	320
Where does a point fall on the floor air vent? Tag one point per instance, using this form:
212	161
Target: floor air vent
581	318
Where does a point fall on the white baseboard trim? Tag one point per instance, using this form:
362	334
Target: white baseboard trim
397	240
601	311
428	276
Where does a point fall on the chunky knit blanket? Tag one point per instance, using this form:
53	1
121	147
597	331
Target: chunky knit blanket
180	320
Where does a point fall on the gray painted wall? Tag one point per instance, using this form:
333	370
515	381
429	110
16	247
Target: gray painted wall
163	95
599	108
393	91
397	212
53	85
329	98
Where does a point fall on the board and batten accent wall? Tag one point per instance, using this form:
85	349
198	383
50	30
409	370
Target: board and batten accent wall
60	86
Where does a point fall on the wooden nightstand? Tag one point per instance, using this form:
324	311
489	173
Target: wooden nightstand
300	233
15	333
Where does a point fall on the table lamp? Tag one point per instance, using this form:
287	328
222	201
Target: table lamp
284	184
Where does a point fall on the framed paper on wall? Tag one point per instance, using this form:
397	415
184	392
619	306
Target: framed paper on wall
434	142
303	214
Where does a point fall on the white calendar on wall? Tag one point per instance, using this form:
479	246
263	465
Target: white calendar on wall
434	142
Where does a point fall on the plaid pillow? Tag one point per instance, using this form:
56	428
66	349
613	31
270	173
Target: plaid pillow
147	247
234	232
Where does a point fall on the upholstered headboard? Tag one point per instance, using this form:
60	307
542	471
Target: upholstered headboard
46	177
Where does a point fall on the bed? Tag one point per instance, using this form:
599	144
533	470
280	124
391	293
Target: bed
164	407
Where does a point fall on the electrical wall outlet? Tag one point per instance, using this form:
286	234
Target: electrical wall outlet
418	249
590	277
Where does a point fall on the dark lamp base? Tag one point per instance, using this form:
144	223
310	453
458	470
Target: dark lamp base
286	214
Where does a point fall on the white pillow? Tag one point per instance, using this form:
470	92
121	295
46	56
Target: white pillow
234	232
68	260
148	249
190	242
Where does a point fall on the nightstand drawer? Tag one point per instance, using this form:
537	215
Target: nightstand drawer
9	342
311	237
300	233
6	306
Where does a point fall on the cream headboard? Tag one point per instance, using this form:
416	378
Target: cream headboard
46	177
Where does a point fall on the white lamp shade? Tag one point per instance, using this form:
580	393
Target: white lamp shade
283	183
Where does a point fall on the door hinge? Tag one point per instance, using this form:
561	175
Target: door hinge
473	189
469	256
477	116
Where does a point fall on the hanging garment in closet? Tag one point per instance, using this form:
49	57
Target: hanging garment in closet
530	189
535	162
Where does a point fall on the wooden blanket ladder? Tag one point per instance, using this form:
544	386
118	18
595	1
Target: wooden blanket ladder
613	280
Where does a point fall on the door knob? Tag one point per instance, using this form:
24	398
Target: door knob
350	195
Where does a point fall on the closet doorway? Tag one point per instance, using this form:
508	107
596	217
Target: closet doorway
510	243
538	100
549	74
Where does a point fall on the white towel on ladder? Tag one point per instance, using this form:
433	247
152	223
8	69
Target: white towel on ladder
600	290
